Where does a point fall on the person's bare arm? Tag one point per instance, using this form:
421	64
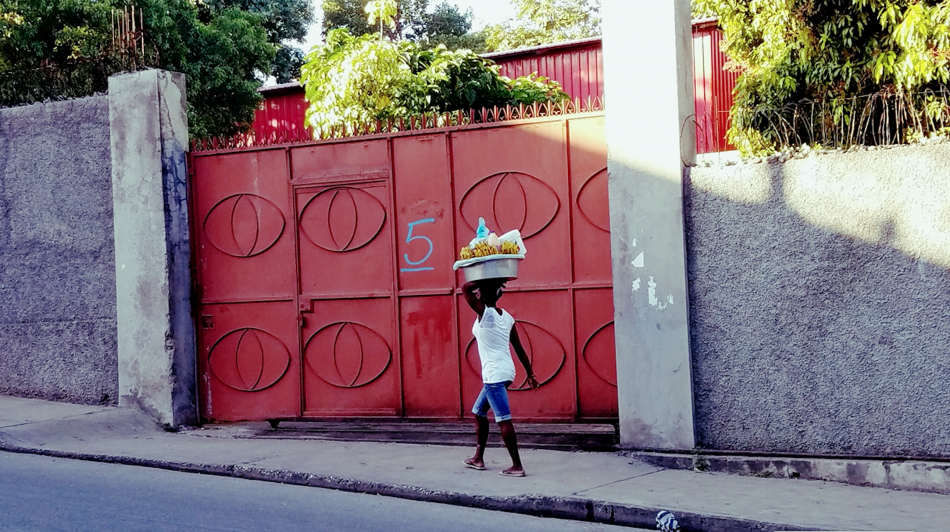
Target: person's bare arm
471	297
523	357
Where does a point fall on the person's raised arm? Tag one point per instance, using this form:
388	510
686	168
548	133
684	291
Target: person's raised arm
471	297
523	357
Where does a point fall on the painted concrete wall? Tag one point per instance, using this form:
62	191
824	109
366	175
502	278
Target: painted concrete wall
646	151
57	276
156	338
820	303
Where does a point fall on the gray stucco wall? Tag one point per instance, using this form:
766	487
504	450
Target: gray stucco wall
57	258
820	303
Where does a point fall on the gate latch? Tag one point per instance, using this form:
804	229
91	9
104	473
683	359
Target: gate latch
306	307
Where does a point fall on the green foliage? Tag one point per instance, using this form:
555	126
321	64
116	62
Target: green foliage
62	48
384	11
445	25
448	26
351	15
285	21
53	30
223	54
358	80
544	22
835	51
78	35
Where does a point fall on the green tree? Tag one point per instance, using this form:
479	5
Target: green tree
224	51
544	22
828	50
351	16
358	80
286	21
446	24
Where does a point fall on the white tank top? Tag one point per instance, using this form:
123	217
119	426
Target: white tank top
492	334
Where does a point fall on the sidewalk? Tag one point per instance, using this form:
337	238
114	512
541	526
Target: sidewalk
604	487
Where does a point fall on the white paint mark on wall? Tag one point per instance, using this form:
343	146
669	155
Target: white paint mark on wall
638	262
636	285
654	302
670	299
123	266
634	242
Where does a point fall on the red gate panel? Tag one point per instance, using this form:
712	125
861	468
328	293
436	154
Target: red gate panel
593	296
248	361
345	241
430	361
516	178
346	280
245	230
596	355
424	253
591	230
424	222
350	359
351	160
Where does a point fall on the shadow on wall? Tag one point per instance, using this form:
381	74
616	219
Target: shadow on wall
820	303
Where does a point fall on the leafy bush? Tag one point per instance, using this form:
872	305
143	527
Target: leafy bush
358	80
837	52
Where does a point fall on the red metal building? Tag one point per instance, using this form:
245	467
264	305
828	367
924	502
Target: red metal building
578	66
713	85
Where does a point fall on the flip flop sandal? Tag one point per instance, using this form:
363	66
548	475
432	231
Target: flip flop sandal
470	465
506	473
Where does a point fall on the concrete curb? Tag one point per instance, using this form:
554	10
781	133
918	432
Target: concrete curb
894	474
539	505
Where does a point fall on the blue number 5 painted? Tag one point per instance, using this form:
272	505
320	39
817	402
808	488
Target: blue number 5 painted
409	239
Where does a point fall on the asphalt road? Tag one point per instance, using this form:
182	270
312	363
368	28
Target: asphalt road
48	494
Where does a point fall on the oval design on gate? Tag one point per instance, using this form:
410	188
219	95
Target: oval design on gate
592	201
534	338
347	354
244	225
249	359
502	198
342	219
600	354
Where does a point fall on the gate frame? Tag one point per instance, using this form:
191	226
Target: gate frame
423	126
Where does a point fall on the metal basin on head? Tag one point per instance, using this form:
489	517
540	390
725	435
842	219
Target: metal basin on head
493	268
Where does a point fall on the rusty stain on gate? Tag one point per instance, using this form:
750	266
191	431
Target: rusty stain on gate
324	267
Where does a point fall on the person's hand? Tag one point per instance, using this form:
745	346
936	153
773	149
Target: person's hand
532	382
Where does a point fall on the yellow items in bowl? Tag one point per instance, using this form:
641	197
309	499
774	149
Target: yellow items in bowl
483	249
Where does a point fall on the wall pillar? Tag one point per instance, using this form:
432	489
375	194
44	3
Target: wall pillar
649	93
156	335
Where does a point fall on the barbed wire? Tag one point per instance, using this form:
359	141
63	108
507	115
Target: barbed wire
884	118
77	78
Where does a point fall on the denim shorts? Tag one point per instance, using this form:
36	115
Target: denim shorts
494	396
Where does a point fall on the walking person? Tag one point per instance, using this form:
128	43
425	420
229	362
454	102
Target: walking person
494	330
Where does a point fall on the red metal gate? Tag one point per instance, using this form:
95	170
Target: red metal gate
325	279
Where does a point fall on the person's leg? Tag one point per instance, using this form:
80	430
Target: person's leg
481	440
497	395
480	409
511	443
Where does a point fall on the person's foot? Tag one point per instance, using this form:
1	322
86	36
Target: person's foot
474	464
513	472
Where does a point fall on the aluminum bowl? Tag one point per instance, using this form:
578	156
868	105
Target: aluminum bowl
501	268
